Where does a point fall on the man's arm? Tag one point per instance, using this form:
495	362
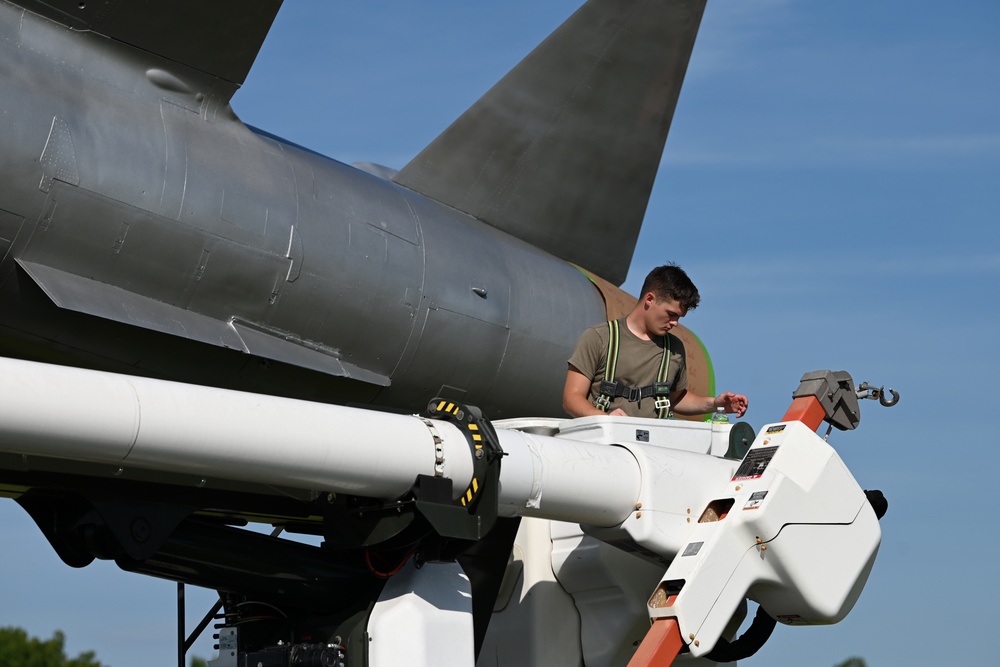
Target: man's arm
576	396
688	403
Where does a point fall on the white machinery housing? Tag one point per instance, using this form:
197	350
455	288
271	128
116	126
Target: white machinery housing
626	522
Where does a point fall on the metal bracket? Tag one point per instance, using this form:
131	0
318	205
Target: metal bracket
475	512
836	394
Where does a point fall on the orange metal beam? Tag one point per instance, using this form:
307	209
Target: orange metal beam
806	409
660	646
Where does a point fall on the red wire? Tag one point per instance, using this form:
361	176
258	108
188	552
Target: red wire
385	575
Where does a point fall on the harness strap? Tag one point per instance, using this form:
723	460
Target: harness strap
610	389
663	403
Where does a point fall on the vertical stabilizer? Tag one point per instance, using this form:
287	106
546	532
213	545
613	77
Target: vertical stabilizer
563	151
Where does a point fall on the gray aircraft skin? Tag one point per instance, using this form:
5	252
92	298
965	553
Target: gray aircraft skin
144	229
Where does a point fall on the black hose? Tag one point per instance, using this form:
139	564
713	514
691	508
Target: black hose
748	643
878	503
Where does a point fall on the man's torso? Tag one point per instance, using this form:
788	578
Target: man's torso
637	365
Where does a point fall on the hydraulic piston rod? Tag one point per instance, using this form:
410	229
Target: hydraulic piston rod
125	421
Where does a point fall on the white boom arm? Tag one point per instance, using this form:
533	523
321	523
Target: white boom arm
788	527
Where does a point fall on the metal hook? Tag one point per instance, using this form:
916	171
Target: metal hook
889	403
865	390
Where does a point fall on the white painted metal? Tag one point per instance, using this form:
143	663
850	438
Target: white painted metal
535	621
800	538
605	586
677	486
678	434
818	535
81	415
609	588
423	617
561	479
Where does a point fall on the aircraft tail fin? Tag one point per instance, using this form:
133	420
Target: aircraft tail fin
563	151
218	37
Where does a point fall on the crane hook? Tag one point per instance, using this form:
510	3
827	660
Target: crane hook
865	390
892	401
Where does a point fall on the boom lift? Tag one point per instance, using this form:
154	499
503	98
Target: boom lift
418	515
146	230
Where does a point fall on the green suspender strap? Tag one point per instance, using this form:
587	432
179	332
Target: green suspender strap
611	389
661	390
608	386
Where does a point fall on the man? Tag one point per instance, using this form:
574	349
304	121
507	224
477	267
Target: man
648	375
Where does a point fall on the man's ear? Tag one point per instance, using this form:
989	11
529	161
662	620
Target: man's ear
648	299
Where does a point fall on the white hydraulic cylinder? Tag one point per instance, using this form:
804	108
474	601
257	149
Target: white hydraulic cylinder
83	415
133	422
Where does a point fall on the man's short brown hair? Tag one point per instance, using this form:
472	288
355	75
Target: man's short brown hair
670	282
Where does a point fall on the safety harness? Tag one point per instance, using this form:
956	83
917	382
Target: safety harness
610	389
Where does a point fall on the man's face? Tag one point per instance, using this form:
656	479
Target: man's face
662	314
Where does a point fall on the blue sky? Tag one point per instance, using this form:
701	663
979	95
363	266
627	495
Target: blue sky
830	183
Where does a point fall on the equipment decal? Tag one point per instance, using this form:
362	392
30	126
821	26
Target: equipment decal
755	463
756	499
692	549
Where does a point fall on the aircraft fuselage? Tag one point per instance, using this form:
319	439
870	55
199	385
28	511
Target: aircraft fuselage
132	196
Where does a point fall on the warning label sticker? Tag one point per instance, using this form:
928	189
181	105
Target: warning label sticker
756	498
692	549
775	429
754	463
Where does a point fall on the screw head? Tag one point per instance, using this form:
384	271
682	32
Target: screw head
141	530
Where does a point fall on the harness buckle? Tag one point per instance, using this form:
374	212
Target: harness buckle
632	394
603	401
662	403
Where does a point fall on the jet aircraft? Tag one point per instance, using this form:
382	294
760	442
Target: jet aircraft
147	232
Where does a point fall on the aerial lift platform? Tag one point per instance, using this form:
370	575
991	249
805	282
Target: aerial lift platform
639	540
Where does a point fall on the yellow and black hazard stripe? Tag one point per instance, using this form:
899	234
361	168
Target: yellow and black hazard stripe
483	442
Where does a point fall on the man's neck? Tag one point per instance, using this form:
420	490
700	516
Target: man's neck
636	324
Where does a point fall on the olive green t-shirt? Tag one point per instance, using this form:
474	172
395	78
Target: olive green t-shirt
638	364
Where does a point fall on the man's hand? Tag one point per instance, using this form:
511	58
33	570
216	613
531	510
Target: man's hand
732	403
688	403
